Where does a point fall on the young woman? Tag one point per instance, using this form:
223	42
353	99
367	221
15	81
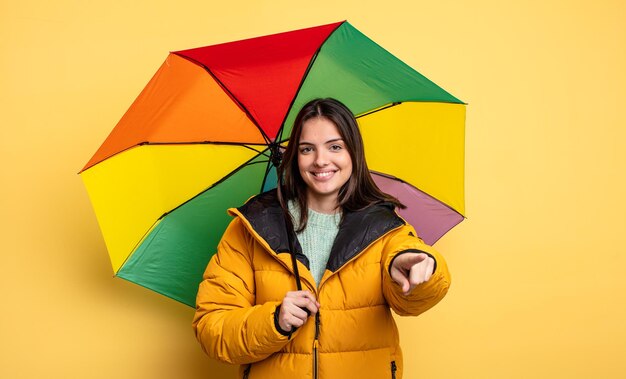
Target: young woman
328	229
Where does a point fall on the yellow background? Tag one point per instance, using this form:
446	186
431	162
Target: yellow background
539	284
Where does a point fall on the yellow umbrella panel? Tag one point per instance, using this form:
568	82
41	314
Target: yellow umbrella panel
419	146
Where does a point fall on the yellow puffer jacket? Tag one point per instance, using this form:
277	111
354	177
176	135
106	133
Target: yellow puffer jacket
352	336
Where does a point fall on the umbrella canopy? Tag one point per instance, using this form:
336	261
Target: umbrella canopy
203	135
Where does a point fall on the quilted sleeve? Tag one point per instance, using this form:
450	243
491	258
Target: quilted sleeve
228	323
425	295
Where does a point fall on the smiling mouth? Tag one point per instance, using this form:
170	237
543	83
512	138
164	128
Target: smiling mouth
324	174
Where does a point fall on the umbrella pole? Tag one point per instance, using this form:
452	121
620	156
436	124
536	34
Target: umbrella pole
276	158
294	261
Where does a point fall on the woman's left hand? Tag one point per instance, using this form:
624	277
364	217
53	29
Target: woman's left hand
412	269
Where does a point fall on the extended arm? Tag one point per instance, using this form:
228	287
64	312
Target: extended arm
415	276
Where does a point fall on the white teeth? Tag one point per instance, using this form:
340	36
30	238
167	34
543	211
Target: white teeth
322	174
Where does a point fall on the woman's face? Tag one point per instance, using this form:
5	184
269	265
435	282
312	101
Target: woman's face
324	163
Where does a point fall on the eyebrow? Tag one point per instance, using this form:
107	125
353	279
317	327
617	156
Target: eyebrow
327	142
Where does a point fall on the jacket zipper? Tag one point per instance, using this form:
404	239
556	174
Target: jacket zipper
317	292
317	315
315	344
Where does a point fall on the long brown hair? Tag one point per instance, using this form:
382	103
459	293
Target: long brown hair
358	192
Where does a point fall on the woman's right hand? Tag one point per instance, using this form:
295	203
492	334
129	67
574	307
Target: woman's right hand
293	310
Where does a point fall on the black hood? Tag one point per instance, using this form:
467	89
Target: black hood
358	229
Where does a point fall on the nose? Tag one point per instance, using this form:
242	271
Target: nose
321	158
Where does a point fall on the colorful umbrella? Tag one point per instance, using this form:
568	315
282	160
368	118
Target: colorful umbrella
204	133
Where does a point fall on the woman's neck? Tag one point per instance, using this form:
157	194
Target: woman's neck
323	205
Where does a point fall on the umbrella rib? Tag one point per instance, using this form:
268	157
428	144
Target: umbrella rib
230	94
306	73
145	143
267	171
242	144
379	109
180	205
157	291
233	172
422	191
143	237
361	115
